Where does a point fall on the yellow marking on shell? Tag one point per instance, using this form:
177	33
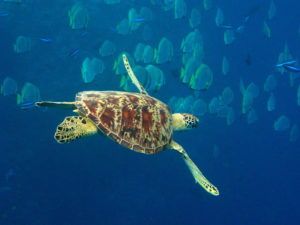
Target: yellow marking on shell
74	127
197	174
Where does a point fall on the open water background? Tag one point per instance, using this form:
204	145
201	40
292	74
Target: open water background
95	181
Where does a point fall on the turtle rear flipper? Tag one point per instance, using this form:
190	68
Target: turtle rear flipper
199	177
74	127
61	105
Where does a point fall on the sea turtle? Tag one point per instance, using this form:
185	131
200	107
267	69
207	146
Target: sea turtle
134	120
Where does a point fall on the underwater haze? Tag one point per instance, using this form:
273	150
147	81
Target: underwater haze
233	64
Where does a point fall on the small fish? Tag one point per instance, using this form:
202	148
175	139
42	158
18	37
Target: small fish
291	68
139	19
286	63
9	174
246	19
240	28
83	33
30	106
75	52
229	27
113	29
46	40
27	105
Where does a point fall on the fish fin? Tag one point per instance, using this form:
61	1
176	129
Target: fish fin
18	99
155	55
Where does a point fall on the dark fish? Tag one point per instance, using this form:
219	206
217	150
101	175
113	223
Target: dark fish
291	68
252	11
176	72
248	60
75	52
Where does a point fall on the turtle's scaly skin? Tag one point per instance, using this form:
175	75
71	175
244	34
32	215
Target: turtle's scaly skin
136	121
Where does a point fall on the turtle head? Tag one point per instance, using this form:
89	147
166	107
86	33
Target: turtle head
184	121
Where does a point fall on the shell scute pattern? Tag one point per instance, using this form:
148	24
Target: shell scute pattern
138	122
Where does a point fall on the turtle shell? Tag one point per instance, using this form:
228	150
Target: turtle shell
138	122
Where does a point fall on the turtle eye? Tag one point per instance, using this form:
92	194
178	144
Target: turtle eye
190	121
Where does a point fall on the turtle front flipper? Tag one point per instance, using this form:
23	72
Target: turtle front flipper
184	121
199	177
74	127
61	105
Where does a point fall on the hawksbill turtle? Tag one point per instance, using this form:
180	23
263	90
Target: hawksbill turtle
136	121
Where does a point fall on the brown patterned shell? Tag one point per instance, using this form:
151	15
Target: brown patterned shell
138	122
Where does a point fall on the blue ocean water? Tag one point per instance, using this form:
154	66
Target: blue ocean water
96	181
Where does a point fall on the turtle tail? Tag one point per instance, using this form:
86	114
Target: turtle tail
60	105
